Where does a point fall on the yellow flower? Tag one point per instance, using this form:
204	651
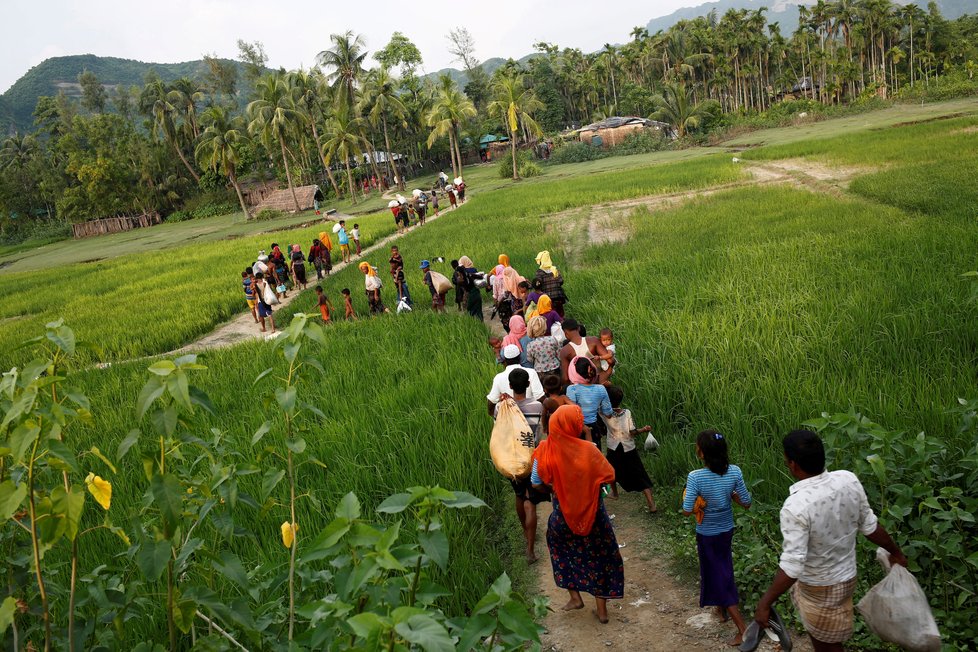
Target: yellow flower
100	489
288	533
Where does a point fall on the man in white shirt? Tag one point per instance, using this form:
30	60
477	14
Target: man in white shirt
500	384
819	522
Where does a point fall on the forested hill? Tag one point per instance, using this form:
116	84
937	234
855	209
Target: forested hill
61	74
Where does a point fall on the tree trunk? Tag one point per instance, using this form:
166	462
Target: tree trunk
234	182
288	174
390	155
512	141
373	159
319	148
349	180
458	153
451	152
186	164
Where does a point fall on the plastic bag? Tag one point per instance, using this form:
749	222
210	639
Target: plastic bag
403	306
441	282
651	443
268	294
896	610
512	441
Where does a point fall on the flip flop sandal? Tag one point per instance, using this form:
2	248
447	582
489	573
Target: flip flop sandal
777	626
752	637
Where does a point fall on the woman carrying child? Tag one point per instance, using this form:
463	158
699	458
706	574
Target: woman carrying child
719	484
622	454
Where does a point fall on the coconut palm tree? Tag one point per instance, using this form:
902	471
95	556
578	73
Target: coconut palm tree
185	94
154	100
345	62
344	140
273	118
449	110
310	91
216	146
678	107
379	101
515	103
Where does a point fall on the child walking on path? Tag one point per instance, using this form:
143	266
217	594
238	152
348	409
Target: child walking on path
719	484
624	457
356	237
325	307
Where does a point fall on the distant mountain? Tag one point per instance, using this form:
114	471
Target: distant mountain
785	12
61	74
489	65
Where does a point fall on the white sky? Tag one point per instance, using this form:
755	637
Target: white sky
294	31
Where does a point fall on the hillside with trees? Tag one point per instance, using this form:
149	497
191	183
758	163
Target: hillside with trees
182	146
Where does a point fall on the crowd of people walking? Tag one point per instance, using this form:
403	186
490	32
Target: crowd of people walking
561	380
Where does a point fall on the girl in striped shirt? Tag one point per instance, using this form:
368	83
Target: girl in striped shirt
719	484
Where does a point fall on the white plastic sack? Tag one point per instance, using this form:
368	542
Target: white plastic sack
651	443
416	192
392	203
557	332
896	610
269	295
336	227
402	306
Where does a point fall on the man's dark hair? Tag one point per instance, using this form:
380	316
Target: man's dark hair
342	222
615	394
519	381
805	448
570	325
319	288
345	291
551	384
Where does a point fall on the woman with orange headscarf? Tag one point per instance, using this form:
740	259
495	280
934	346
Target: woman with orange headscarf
583	548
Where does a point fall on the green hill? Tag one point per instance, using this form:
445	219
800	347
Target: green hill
61	74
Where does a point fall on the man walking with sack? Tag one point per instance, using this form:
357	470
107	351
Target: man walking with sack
819	522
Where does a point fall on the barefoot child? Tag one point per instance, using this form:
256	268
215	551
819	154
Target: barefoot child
356	237
720	484
437	298
629	471
264	309
248	282
348	305
325	307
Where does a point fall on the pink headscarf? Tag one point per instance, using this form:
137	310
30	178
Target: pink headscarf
517	329
576	378
296	248
512	280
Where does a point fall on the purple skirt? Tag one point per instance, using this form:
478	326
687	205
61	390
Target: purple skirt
717	586
591	563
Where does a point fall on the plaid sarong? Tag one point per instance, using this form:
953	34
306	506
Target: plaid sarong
826	611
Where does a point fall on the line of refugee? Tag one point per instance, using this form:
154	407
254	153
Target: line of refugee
560	379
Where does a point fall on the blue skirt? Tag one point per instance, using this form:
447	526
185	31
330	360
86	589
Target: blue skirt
591	564
717	586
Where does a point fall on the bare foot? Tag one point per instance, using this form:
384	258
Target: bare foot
736	640
603	621
531	558
573	604
721	614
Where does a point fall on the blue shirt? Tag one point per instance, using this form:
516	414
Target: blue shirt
716	491
591	398
344	239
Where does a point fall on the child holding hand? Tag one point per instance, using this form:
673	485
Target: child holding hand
630	473
719	484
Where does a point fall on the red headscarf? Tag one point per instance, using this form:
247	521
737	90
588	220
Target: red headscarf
574	467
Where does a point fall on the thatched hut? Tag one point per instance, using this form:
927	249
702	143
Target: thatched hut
613	131
281	200
119	224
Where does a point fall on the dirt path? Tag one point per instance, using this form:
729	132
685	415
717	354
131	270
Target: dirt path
243	327
659	611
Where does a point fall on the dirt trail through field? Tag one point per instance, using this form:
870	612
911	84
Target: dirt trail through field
243	327
659	612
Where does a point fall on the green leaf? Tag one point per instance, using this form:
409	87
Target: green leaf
22	438
462	499
296	445
179	388
514	617
11	497
395	504
70	505
58	450
478	627
502	587
63	337
349	507
320	547
269	481
879	468
131	439
286	398
435	545
231	567
97	453
366	624
7	611
168	498
162	368
183	614
189	548
152	557
425	631
152	390
260	377
261	432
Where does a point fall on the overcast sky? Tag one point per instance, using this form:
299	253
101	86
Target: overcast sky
294	31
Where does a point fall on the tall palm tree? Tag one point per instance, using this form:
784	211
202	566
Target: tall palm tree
514	103
449	110
273	117
216	146
185	94
311	95
344	140
380	100
345	63
155	101
678	108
